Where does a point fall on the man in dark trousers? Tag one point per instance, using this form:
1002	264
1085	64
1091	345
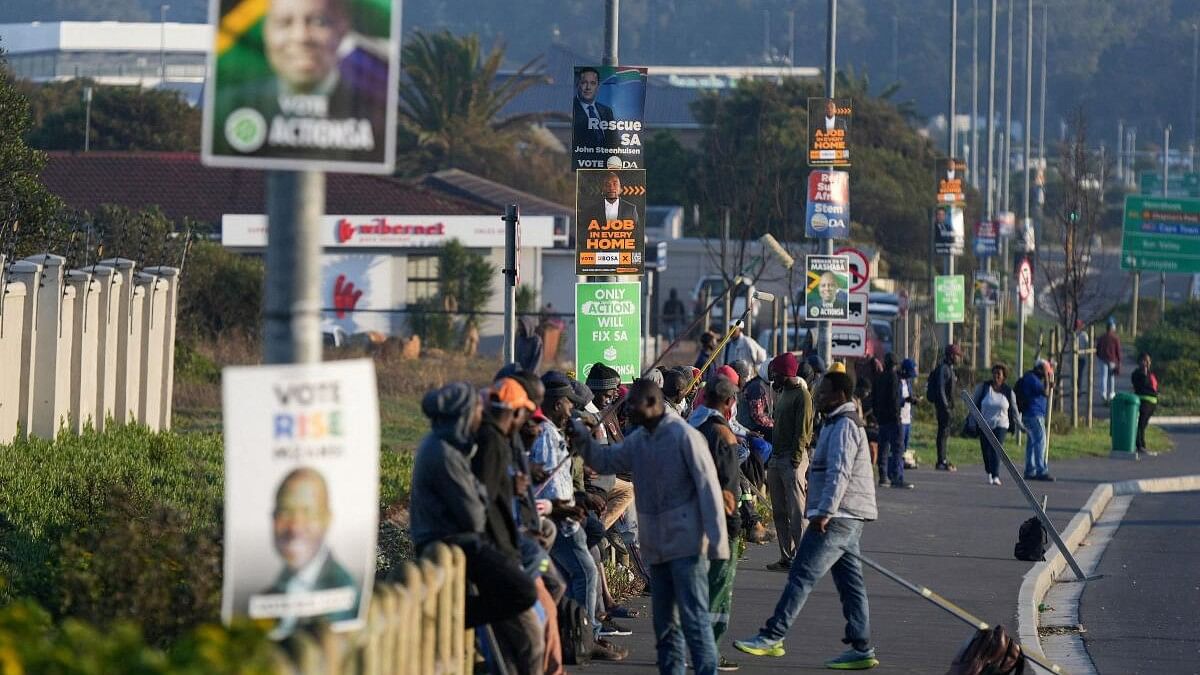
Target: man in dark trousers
940	391
1145	385
712	420
841	500
791	437
887	400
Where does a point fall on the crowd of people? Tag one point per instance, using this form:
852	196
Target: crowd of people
542	479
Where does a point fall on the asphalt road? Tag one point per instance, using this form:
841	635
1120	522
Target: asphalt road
952	533
1143	614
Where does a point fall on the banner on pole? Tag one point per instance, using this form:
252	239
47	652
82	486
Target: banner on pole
607	114
610	207
948	299
948	230
608	325
987	243
829	131
951	172
827	213
987	290
826	294
322	98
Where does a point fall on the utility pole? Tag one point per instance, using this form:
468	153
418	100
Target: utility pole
975	93
162	44
826	346
291	301
612	15
984	355
1006	166
792	38
1162	276
1042	120
87	119
1121	151
950	136
511	218
1195	64
1025	220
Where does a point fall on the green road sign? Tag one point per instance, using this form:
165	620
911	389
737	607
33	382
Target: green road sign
1178	184
949	299
608	327
1161	234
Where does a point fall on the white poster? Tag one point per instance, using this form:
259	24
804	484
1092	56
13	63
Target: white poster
301	493
359	290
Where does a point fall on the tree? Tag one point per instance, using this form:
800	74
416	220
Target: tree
123	118
450	117
464	289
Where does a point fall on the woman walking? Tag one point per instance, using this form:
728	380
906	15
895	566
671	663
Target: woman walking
1145	385
998	404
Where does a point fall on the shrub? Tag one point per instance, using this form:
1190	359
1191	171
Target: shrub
220	291
1174	344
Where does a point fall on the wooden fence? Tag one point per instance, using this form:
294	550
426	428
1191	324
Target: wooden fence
414	627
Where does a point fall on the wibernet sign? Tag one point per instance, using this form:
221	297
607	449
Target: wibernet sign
370	231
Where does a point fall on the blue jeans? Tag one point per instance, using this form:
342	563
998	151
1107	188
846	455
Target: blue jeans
679	595
570	554
891	452
818	554
1035	445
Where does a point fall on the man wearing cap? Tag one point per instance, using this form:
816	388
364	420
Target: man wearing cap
791	438
1108	350
942	382
550	460
742	346
680	512
1032	391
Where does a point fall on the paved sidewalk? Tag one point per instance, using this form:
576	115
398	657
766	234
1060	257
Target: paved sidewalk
1141	616
953	533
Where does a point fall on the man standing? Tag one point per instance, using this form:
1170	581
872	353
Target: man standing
712	420
742	346
940	392
613	207
681	510
674	314
887	401
1108	350
589	113
791	437
1145	385
832	121
841	500
1033	390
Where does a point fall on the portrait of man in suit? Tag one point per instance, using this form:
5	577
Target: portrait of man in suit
300	523
832	121
588	112
614	207
321	100
830	291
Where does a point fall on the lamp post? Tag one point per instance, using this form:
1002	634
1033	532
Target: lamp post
162	44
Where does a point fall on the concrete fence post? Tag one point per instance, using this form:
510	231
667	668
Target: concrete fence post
170	277
52	387
110	298
150	349
28	274
84	349
126	378
12	330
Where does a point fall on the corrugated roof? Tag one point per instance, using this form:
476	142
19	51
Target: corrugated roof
182	187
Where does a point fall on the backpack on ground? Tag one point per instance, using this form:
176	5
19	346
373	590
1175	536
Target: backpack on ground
1032	541
575	632
991	650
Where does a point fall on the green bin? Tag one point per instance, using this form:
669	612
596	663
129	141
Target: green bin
1123	424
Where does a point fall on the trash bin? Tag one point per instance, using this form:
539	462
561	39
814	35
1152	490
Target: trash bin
1123	425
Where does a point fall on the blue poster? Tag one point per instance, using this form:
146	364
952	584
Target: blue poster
827	214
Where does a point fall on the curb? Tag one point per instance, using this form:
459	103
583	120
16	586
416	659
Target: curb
1041	576
1175	421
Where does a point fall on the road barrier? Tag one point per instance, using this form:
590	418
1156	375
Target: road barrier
89	345
414	627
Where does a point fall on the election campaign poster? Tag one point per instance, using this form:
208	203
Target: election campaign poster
827	215
610	211
319	97
987	239
301	493
607	116
827	292
951	176
829	131
948	235
608	323
987	290
949	299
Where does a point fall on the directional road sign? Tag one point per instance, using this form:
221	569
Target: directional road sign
1161	234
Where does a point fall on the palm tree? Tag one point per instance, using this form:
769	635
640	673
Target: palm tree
452	101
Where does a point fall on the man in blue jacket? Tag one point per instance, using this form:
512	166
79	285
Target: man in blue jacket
1032	391
841	500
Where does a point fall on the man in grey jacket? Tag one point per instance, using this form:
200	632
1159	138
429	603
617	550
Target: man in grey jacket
841	499
681	520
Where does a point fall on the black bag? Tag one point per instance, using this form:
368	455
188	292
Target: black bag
575	632
1032	541
1022	401
991	650
931	385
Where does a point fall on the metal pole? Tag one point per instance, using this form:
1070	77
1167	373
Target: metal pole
511	218
1091	372
1133	312
1162	276
975	93
612	15
825	347
984	353
1025	217
1042	116
87	119
1195	60
950	131
291	301
162	44
1006	166
1120	150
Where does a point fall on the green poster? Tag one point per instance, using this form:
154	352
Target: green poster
949	299
608	328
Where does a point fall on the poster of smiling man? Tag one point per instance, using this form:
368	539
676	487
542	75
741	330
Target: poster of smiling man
607	114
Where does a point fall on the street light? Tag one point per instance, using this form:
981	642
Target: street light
87	118
162	44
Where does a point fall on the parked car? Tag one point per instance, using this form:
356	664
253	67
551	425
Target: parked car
884	334
796	338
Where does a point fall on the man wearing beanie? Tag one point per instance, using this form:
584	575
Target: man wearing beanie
791	437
